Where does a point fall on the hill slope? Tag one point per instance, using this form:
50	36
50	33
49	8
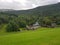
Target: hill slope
42	10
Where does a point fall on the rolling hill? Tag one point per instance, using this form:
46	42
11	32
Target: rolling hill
53	9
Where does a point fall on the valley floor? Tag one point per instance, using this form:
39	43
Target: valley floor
41	36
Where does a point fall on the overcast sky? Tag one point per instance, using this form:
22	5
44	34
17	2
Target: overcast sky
24	4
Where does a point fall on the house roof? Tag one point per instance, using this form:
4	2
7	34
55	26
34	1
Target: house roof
36	23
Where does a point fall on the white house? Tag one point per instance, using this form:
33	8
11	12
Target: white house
34	26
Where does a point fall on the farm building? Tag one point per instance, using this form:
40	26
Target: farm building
33	27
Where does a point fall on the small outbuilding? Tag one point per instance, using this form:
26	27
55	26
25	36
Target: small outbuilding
33	27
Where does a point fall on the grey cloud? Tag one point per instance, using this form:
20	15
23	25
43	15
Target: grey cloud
43	2
29	4
14	5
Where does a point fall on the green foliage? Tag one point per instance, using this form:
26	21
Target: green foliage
12	27
22	24
46	21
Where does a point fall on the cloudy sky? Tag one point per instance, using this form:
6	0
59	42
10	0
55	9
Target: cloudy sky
24	4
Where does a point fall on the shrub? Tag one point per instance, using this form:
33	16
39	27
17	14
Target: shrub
12	27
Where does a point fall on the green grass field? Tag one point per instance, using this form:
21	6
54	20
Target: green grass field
41	36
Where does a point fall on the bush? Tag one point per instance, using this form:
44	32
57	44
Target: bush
12	27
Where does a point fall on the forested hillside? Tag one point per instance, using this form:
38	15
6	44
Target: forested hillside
41	10
46	16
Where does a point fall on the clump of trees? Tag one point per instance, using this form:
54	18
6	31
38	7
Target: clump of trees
12	27
15	22
47	22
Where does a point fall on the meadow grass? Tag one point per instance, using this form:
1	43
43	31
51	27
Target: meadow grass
41	36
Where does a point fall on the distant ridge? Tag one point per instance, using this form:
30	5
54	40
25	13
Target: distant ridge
3	10
41	10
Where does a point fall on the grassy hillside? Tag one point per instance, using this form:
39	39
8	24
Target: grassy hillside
41	36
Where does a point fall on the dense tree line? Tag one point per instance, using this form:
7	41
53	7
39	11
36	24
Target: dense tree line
15	22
